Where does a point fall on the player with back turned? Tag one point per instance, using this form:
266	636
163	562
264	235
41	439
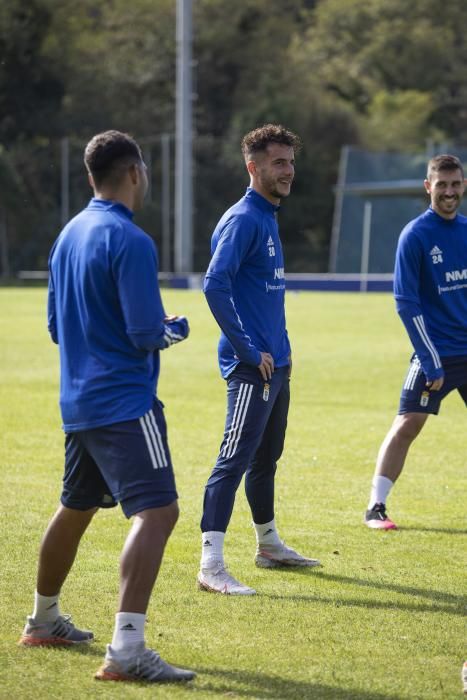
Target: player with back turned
430	288
245	289
106	314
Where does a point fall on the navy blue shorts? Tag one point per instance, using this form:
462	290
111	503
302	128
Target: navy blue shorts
416	398
127	463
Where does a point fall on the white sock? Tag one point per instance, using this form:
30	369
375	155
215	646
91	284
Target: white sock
380	488
266	533
45	608
128	631
212	549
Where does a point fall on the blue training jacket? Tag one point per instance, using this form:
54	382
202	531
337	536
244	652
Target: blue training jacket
430	288
106	314
245	286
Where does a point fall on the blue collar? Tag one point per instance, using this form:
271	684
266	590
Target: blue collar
442	218
261	201
106	204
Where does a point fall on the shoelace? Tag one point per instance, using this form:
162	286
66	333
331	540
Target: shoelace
281	547
148	659
223	570
229	578
63	625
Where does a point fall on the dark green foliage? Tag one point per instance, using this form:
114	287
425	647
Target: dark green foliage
31	89
380	74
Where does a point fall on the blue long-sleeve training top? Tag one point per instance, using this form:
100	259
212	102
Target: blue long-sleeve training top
430	288
106	314
245	285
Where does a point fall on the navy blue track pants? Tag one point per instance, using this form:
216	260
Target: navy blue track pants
253	442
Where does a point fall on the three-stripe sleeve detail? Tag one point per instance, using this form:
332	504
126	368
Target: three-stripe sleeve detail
420	326
171	337
153	439
412	375
238	420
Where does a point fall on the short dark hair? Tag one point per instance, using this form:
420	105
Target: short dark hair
109	154
443	161
259	139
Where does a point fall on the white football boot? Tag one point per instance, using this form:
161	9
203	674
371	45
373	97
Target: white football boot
218	580
269	556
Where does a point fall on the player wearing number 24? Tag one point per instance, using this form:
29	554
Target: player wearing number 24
430	288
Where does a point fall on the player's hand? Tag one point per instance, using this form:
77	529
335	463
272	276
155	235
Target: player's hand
435	385
266	366
176	329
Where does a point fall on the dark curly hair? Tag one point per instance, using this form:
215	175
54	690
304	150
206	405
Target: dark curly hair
108	155
259	139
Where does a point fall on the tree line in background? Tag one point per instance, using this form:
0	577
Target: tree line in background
380	74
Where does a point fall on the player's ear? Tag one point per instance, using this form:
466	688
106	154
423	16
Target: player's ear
134	174
427	185
251	167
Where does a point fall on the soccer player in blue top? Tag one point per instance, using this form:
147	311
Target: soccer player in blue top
245	289
106	314
430	288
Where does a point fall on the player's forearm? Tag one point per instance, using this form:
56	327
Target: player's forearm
52	326
414	322
51	313
168	333
223	309
176	330
149	341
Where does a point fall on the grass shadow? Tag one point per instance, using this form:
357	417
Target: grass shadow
442	530
249	684
82	649
436	596
450	598
442	602
370	604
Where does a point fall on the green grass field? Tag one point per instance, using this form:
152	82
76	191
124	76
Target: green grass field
384	619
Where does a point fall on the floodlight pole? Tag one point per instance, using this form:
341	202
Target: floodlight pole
65	179
5	260
147	156
339	205
183	142
366	234
165	165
